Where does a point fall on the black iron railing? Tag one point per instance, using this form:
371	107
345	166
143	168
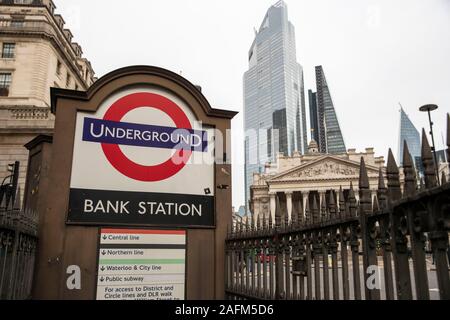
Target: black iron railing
395	246
18	241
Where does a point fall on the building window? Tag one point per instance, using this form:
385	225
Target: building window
5	83
68	80
8	50
17	23
58	68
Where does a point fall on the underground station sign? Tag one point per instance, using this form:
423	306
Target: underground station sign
142	159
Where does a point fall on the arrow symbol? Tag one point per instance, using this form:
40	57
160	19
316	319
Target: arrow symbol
103	252
102	268
104	237
101	279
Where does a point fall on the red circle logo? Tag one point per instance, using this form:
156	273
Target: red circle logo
130	168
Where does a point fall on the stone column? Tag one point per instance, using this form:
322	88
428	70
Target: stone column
273	205
289	204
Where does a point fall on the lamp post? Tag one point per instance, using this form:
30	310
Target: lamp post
428	108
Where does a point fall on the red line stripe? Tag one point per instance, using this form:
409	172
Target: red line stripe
135	231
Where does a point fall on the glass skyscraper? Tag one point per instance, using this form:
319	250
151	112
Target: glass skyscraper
324	121
411	135
313	121
274	97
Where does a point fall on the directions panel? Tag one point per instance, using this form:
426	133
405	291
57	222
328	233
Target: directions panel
141	264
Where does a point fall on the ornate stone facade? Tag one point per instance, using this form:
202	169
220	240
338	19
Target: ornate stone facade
297	179
37	53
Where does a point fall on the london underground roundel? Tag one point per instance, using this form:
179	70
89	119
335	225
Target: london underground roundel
142	158
130	168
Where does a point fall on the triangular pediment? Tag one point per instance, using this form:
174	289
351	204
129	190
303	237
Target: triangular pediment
325	167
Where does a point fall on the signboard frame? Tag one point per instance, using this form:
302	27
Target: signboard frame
99	234
62	244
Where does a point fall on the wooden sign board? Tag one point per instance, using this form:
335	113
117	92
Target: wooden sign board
137	150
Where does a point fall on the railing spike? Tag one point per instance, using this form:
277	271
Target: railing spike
365	200
252	222
286	217
270	220
17	200
323	209
381	193
294	217
10	204
300	218
277	213
307	213
315	211
332	206
342	208
352	201
363	176
264	221
428	163
262	227
409	171
258	222
392	172
375	205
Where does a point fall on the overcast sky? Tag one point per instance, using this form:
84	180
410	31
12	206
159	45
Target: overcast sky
375	54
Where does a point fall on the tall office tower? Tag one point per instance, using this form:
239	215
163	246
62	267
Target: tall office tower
274	98
411	135
330	135
37	52
313	122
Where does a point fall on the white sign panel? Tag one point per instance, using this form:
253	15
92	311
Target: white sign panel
142	158
141	264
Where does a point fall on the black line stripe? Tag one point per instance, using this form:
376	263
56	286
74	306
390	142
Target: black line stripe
141	246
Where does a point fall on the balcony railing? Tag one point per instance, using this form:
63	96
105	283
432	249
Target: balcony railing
26	26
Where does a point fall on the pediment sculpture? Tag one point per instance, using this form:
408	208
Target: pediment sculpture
326	169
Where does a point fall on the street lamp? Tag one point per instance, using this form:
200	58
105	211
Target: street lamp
428	108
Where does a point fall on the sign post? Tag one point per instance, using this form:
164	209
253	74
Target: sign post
134	197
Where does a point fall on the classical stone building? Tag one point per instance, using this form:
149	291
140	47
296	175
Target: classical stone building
299	178
37	53
444	171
